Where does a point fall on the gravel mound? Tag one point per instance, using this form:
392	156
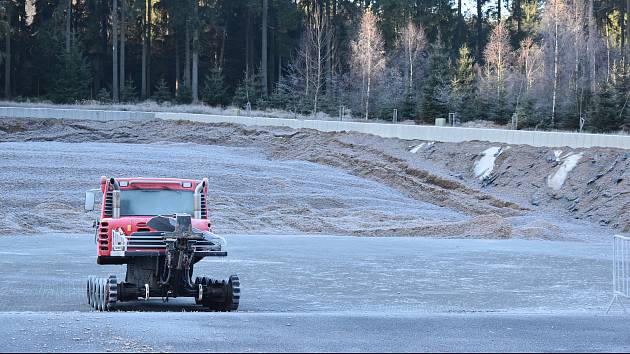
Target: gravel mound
440	175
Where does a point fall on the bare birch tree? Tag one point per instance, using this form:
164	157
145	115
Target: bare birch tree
307	71
497	57
530	63
494	77
412	42
367	58
318	36
554	15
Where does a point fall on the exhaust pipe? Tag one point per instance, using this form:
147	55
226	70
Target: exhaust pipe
115	198
197	203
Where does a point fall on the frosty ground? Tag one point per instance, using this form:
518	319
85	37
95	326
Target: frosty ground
327	293
280	180
502	263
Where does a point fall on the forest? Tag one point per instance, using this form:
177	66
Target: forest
524	64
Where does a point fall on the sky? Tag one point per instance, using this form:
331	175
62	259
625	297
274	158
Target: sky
470	7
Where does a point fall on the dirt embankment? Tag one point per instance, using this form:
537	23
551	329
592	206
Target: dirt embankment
523	179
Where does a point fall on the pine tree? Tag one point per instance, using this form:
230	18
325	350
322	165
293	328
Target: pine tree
214	88
409	107
240	98
432	106
162	92
282	96
104	96
463	86
249	91
495	73
71	78
129	92
621	85
603	115
183	95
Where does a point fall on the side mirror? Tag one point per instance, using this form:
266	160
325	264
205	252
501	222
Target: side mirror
89	201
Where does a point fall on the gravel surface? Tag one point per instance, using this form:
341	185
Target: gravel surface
274	180
327	293
249	193
336	274
244	332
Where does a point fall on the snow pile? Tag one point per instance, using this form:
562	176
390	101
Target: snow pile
485	165
416	148
556	180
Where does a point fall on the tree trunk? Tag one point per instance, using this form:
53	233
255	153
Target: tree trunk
150	20
591	43
7	63
68	19
318	75
333	51
608	66
143	85
195	53
177	64
367	98
499	11
555	65
519	17
479	28
263	66
223	39
460	26
123	39
369	82
187	54
622	26
115	51
248	47
307	62
628	28
328	43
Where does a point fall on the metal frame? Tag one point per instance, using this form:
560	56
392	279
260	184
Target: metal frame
621	271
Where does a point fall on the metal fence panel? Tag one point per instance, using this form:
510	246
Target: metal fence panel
621	271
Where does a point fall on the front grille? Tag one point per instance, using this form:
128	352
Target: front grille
146	241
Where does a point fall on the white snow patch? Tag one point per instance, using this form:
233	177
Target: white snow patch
557	154
416	148
485	165
556	181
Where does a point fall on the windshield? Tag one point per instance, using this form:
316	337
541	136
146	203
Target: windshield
148	202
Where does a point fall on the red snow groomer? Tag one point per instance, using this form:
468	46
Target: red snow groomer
159	227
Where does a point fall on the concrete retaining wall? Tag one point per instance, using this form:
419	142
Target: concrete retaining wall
417	132
401	131
69	113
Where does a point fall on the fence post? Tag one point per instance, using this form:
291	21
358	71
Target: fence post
395	116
